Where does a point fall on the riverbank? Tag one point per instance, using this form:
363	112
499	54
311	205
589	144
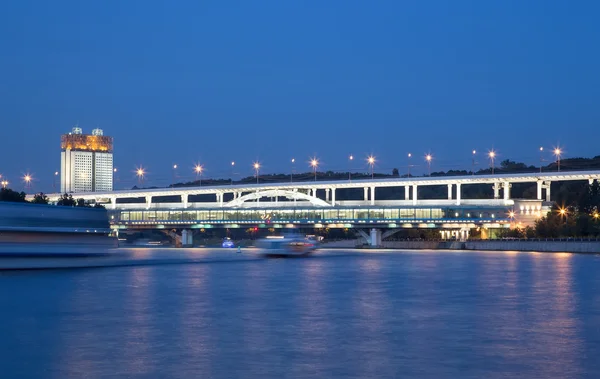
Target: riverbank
549	246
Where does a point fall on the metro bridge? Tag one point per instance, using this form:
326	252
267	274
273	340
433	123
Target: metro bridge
314	204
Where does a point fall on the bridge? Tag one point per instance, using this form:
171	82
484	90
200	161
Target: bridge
314	204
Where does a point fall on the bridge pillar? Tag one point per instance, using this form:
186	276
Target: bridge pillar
591	181
366	194
458	196
295	190
548	183
375	237
184	200
148	202
113	202
406	192
333	196
372	195
326	194
496	190
539	189
414	191
449	191
187	238
506	187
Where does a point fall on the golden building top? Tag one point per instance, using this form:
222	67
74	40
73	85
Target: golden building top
85	142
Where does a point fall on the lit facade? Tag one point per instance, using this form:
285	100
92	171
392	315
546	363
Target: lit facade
86	162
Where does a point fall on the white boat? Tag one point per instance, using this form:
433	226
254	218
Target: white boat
286	245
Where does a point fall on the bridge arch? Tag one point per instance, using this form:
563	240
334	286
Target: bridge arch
279	193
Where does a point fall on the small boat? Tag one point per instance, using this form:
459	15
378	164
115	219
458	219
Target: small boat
293	245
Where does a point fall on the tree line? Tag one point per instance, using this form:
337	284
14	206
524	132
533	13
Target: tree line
66	200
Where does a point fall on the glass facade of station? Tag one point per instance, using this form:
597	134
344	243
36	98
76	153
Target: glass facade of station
314	215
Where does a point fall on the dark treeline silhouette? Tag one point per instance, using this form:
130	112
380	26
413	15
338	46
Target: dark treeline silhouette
67	200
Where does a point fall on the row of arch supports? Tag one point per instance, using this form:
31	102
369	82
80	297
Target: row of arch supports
543	188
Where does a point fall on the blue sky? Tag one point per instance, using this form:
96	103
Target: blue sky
215	81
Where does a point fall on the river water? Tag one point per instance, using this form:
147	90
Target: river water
427	314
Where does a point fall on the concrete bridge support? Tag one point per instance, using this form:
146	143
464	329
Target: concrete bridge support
414	191
372	195
187	238
375	237
406	192
506	189
496	190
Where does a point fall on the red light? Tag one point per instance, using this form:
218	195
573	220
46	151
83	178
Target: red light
256	229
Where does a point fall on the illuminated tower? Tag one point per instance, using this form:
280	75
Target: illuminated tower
86	161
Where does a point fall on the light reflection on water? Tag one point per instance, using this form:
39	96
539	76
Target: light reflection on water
426	315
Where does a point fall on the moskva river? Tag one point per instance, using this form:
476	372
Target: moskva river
425	314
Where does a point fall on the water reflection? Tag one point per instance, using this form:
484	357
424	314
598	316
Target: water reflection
438	314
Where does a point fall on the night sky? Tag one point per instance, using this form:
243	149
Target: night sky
180	82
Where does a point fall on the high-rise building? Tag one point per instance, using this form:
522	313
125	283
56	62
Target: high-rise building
86	161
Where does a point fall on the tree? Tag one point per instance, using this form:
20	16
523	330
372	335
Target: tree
40	198
395	172
66	200
6	194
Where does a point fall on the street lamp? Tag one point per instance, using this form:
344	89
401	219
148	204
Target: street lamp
198	169
27	178
174	173
292	171
4	183
428	158
232	171
371	161
409	156
557	152
350	159
563	212
140	174
473	162
492	155
256	168
314	163
55	177
541	157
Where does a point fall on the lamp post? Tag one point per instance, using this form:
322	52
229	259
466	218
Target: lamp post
314	163
140	173
563	212
541	157
55	177
473	162
292	170
371	161
492	155
232	171
4	183
27	178
198	169
557	152
428	158
409	156
256	168
350	159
